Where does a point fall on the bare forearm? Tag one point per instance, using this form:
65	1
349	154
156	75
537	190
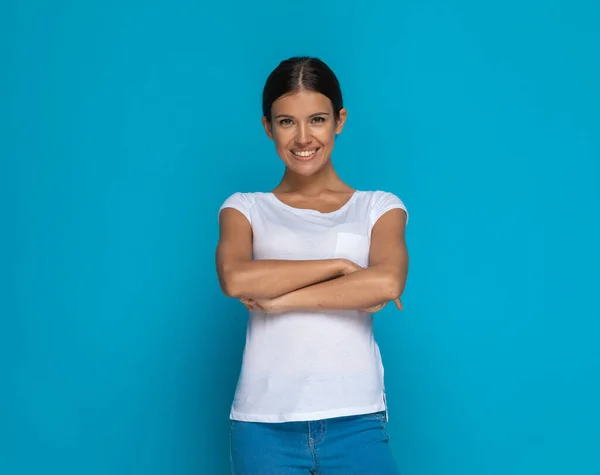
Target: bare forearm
259	279
362	289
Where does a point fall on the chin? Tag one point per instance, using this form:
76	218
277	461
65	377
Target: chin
306	169
304	172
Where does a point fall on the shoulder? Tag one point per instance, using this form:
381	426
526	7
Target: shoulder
239	198
379	198
380	202
244	202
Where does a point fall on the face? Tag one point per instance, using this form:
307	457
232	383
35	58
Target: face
303	128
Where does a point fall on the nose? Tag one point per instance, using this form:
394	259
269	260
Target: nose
303	135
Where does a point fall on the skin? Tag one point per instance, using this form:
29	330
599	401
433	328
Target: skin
305	121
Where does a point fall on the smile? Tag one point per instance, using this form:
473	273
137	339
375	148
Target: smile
305	153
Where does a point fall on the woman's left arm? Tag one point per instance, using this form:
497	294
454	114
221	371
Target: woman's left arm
381	282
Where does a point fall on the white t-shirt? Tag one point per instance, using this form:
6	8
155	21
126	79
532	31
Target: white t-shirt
310	365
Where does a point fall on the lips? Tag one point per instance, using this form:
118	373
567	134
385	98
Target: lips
306	154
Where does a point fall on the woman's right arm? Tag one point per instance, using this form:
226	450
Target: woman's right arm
242	277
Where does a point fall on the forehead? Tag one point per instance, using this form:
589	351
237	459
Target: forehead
301	103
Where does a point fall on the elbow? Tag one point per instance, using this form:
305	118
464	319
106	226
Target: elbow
229	282
394	286
229	290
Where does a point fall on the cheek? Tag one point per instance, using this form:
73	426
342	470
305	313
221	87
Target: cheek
326	136
282	137
281	143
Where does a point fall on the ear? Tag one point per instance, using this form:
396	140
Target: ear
268	129
341	121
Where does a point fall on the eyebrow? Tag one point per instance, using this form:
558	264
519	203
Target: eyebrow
280	116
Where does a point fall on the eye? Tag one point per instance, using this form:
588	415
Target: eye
285	122
318	120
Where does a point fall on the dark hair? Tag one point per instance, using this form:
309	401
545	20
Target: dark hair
301	73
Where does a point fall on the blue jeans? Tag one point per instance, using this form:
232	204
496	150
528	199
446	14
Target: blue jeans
339	446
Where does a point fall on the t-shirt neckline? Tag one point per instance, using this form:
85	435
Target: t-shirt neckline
314	211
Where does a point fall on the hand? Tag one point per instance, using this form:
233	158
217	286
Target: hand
348	267
377	308
266	305
248	303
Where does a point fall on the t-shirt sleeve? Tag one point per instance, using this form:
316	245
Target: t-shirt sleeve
384	202
241	202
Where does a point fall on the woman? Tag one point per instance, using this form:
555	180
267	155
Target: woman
312	260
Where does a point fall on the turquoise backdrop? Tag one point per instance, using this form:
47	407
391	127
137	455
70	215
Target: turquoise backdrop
123	127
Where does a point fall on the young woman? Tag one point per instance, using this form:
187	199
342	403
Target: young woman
312	261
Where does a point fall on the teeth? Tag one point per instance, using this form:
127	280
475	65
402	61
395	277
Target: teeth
305	154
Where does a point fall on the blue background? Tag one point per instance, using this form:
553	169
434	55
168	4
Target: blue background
124	126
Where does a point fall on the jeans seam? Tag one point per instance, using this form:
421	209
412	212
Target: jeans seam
384	425
323	433
312	444
316	460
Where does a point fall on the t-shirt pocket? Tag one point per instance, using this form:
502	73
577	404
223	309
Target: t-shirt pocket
352	246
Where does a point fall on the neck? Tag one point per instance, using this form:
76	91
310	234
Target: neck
324	179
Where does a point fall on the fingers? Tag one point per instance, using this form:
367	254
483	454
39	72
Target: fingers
252	304
376	308
249	304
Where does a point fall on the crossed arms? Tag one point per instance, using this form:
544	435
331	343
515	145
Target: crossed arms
327	284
